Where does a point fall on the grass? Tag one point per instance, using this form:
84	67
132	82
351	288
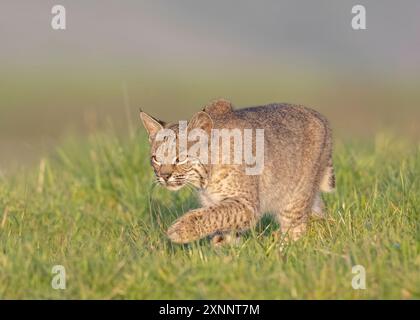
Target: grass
90	207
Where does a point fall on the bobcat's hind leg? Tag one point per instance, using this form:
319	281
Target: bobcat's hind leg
294	230
318	207
294	219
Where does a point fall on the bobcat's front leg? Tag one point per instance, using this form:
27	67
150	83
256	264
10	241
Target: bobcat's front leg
229	215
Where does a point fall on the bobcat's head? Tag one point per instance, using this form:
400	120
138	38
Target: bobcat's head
179	169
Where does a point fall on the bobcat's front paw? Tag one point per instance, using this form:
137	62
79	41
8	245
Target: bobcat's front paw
186	228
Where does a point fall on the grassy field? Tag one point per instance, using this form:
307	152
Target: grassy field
90	207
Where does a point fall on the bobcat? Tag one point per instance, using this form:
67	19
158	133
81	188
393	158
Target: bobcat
297	168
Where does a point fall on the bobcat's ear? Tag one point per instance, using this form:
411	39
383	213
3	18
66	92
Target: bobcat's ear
151	124
219	107
202	121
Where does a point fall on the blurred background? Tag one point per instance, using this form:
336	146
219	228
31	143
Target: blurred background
171	57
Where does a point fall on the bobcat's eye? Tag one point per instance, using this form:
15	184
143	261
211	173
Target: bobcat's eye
154	160
177	162
183	161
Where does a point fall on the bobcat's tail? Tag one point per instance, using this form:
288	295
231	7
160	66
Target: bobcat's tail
328	178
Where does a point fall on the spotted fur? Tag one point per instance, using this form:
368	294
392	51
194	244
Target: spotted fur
297	168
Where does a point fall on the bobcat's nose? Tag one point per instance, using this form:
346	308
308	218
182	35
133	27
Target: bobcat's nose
165	176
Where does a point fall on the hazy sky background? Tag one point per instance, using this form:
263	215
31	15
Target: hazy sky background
171	57
187	32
